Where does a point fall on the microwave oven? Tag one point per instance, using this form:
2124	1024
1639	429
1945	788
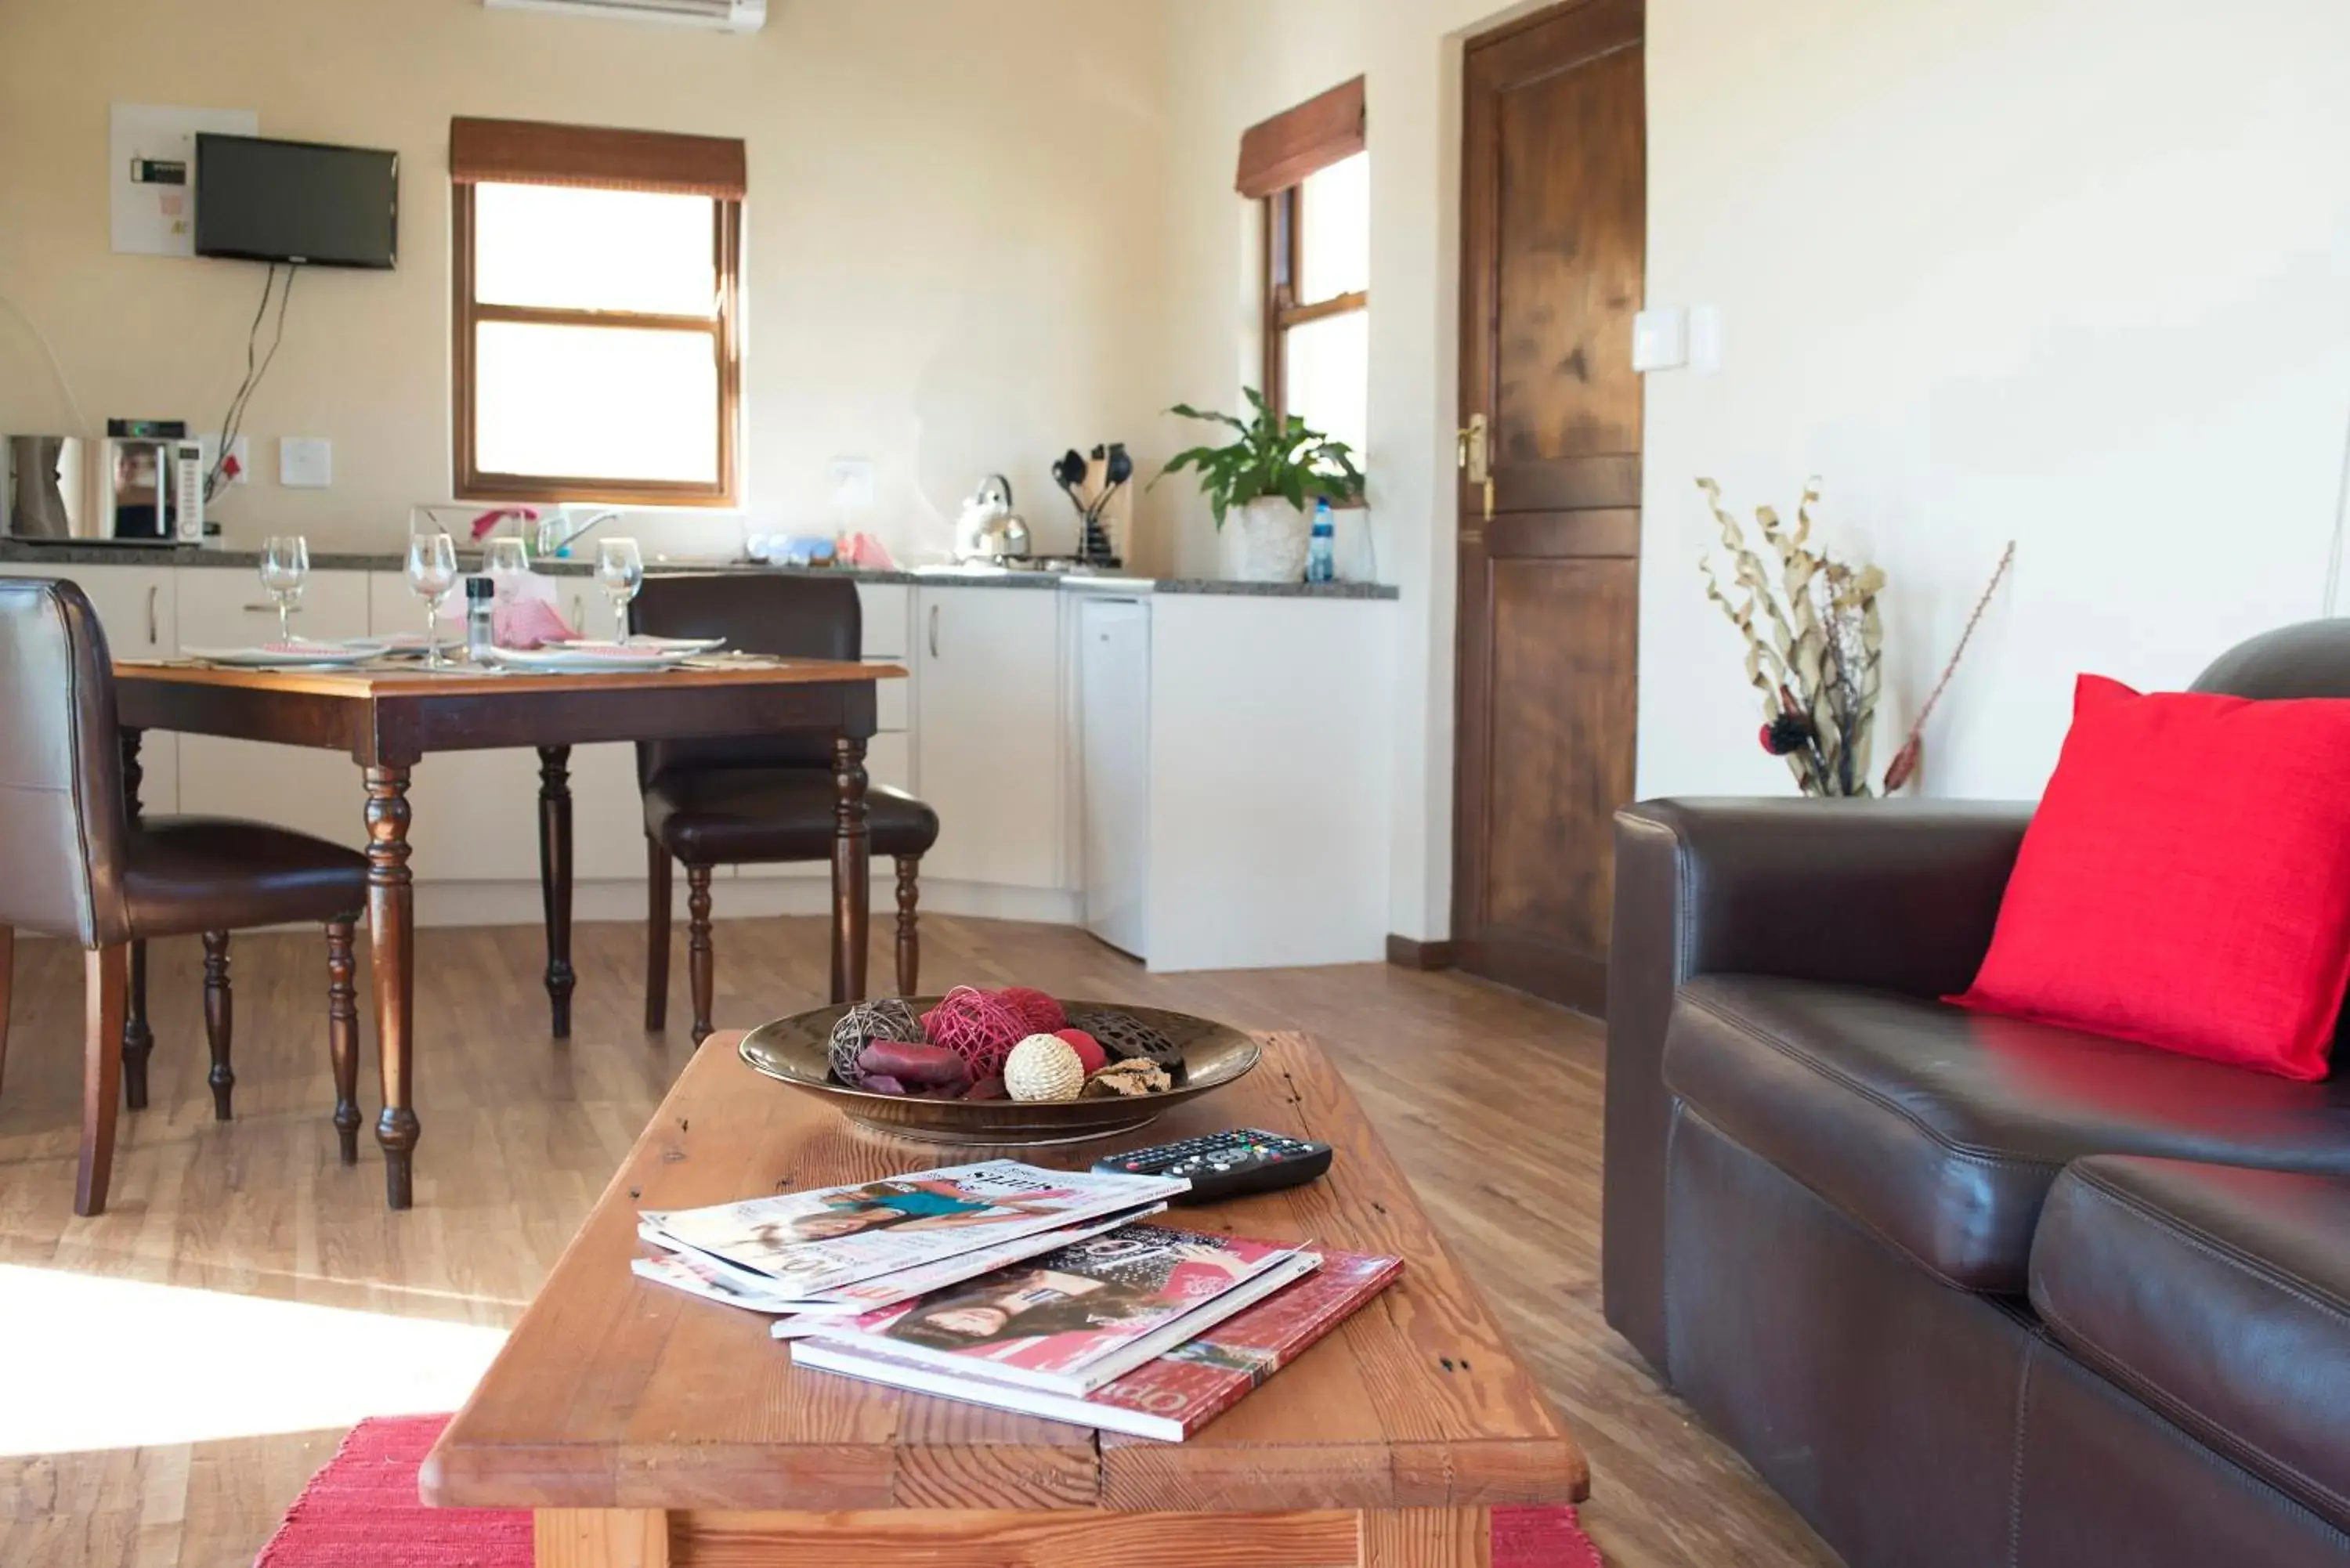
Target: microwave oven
136	488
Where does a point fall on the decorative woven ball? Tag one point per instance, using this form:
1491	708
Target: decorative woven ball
980	1028
1128	1038
888	1019
1090	1055
1043	1067
1043	1015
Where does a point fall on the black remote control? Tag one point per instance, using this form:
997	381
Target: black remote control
1235	1164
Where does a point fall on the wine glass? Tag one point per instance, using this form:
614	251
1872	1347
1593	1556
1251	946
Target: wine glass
432	573
504	560
285	567
620	568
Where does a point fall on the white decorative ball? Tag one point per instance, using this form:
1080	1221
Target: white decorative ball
1043	1067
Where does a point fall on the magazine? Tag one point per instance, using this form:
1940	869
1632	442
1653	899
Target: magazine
1071	1320
1175	1396
715	1279
811	1242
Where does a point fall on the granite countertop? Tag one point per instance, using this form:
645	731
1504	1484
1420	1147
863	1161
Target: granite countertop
91	554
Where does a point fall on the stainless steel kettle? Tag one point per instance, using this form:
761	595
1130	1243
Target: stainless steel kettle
988	529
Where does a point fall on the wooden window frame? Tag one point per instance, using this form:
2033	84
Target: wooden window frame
587	158
1277	157
1284	262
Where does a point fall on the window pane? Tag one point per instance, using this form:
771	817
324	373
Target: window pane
595	402
1337	241
1330	375
594	250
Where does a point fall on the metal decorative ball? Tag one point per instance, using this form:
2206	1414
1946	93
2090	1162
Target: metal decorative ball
1043	1067
861	1025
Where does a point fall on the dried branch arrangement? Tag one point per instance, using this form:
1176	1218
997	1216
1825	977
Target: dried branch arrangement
1813	643
1903	766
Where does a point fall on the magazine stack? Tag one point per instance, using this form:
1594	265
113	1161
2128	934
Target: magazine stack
1056	1293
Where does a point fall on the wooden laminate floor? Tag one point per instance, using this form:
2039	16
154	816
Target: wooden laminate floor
1491	1100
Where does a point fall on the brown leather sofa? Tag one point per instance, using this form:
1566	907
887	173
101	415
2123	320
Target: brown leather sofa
1967	1291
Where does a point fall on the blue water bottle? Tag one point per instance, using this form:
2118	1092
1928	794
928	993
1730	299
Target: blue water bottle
1320	562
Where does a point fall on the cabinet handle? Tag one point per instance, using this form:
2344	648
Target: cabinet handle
935	631
271	609
154	628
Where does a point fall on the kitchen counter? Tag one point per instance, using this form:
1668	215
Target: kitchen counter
23	553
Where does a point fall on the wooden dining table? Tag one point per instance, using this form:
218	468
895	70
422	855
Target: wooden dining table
389	717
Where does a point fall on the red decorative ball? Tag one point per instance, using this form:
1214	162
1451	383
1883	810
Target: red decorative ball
1090	1055
1043	1015
980	1028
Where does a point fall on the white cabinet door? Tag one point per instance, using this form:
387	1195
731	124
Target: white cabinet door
135	604
138	608
987	736
301	787
884	608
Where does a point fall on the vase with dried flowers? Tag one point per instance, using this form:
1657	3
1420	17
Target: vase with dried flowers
1814	643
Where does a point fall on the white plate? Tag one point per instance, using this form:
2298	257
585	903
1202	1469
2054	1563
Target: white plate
585	660
279	656
666	644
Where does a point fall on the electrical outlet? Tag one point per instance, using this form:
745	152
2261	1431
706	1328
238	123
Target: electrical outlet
238	449
305	463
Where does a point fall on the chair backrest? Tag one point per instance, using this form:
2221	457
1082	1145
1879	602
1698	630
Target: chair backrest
62	822
792	616
2308	660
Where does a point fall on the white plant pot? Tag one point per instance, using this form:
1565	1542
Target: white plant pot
1274	536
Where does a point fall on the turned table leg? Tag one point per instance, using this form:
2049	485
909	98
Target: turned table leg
138	1039
851	870
554	880
343	1034
220	1022
391	932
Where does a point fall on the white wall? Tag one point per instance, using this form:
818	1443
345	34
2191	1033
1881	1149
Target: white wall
2074	273
2071	272
950	230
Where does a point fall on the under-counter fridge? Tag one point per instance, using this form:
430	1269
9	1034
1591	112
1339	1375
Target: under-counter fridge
1114	751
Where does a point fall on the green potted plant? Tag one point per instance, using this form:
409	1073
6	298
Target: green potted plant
1272	472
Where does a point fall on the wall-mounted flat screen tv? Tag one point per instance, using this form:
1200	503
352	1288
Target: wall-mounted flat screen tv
298	201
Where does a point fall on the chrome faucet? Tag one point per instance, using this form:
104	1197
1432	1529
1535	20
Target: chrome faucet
558	534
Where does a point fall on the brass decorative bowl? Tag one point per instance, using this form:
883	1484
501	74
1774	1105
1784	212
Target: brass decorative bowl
797	1051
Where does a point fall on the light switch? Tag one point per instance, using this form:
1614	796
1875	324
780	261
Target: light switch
305	463
851	479
1660	338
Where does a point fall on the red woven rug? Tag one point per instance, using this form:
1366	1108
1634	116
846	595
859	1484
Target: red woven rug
361	1511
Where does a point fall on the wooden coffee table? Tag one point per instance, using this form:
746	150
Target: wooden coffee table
650	1430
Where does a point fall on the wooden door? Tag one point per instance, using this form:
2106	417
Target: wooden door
1553	250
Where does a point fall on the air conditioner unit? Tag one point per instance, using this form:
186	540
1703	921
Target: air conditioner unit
732	16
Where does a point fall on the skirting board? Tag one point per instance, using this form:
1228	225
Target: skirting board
1408	952
732	898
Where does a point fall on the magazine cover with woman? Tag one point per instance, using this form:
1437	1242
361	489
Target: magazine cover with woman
835	1236
1061	1319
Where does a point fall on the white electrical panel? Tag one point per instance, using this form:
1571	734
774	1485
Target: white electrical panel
152	173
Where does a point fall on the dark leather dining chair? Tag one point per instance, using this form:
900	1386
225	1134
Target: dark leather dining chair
760	799
75	865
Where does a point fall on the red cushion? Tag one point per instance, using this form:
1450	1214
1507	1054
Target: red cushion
2186	881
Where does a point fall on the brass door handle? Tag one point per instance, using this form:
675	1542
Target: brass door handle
1472	453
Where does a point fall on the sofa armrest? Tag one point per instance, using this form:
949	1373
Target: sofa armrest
1897	894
